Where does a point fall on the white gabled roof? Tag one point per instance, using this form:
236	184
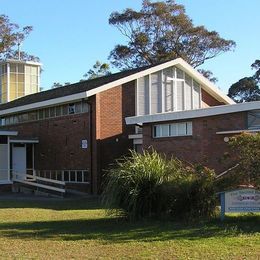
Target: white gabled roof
189	114
180	63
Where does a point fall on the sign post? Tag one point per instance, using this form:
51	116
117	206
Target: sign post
239	201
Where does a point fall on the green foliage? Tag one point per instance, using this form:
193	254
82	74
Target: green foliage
59	85
247	147
99	69
247	89
12	36
162	31
145	185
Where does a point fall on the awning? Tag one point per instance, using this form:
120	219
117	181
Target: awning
9	133
24	140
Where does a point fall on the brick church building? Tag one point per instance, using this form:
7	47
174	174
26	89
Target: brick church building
74	133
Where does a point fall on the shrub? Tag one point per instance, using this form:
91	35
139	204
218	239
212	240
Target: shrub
247	147
146	185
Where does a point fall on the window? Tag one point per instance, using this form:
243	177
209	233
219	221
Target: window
72	109
170	89
170	130
253	119
45	113
52	112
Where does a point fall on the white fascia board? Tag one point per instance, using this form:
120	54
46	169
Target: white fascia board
131	77
24	141
189	114
9	133
45	103
238	131
205	83
208	86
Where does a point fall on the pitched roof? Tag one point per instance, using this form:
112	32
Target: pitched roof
69	89
91	87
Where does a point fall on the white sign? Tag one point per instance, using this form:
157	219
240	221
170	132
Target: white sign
84	144
244	200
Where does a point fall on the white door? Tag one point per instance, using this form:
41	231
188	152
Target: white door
19	160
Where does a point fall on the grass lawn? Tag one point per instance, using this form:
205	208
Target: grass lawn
80	229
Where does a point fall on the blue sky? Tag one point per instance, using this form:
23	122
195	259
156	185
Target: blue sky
70	35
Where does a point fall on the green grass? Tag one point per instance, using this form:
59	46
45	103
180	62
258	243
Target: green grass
80	229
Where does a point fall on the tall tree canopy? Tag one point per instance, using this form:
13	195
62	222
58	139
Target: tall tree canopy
11	37
162	31
99	69
247	89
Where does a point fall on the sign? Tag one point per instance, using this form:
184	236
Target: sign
243	200
84	144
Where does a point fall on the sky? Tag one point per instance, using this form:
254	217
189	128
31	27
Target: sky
69	36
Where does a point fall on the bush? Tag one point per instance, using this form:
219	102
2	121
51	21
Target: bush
146	185
247	147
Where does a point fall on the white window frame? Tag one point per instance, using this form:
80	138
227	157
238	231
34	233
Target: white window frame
189	130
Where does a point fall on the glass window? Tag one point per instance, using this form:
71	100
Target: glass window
32	116
182	129
64	110
27	69
34	79
164	130
175	129
24	117
52	112
15	119
46	113
41	114
20	77
84	106
20	68
71	109
58	110
33	70
12	67
254	119
11	118
13	77
7	121
180	73
189	128
78	107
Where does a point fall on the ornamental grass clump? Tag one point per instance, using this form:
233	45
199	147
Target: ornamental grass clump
149	185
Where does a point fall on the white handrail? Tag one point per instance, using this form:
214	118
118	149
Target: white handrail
34	177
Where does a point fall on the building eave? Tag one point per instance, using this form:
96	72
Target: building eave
46	103
180	63
8	133
189	114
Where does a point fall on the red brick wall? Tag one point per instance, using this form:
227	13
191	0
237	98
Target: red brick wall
111	108
209	100
204	146
59	141
60	138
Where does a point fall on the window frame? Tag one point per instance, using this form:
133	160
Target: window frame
157	130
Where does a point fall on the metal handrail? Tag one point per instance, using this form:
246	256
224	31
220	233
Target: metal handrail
65	175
